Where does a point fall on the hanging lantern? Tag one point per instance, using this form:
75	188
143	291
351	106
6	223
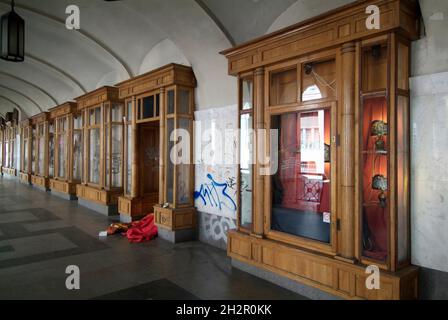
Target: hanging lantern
12	36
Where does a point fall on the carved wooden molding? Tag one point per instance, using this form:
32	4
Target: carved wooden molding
172	74
40	118
63	109
97	97
342	25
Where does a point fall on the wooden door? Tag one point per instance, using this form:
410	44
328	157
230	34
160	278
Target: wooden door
149	161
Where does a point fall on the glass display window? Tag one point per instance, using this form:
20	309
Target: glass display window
184	176
41	148
319	80
148	107
25	146
246	161
283	88
114	145
94	143
170	126
301	198
128	147
51	149
375	179
33	150
77	148
62	150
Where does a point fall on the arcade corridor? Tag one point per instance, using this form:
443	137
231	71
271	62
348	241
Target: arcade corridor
40	235
279	150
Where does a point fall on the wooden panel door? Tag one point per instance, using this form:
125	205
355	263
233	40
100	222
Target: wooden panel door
149	161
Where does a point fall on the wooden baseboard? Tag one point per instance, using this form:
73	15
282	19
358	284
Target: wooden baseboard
9	171
137	207
325	273
175	219
42	182
103	197
64	187
25	178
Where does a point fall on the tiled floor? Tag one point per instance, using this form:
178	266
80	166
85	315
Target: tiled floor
40	235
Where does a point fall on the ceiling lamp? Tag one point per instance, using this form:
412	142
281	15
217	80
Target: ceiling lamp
12	36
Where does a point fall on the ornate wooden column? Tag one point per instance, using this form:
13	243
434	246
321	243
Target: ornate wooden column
162	147
259	124
347	152
135	189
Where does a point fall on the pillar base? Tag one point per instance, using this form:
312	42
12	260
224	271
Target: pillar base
63	189
40	188
9	171
284	282
176	224
175	218
99	200
126	218
63	195
111	210
176	236
25	178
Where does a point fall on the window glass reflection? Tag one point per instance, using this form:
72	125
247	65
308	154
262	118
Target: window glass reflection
301	186
246	170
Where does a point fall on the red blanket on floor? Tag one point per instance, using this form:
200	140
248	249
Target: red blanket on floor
143	230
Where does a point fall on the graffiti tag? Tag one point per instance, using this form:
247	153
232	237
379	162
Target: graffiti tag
215	194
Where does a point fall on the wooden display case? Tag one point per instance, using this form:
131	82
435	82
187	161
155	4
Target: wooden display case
158	103
102	127
9	148
25	151
40	151
337	199
68	141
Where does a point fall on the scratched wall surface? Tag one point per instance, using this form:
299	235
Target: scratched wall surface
215	174
216	161
213	229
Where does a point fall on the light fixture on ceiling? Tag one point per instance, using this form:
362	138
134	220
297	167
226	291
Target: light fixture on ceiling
12	36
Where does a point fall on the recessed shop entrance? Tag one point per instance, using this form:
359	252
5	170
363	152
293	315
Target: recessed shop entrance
149	158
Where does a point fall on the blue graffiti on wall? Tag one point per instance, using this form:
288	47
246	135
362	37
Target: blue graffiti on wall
215	194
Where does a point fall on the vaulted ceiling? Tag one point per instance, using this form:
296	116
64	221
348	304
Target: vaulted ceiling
122	39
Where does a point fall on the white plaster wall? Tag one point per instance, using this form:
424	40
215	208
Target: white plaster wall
163	53
200	41
305	9
113	45
429	130
429	178
430	54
